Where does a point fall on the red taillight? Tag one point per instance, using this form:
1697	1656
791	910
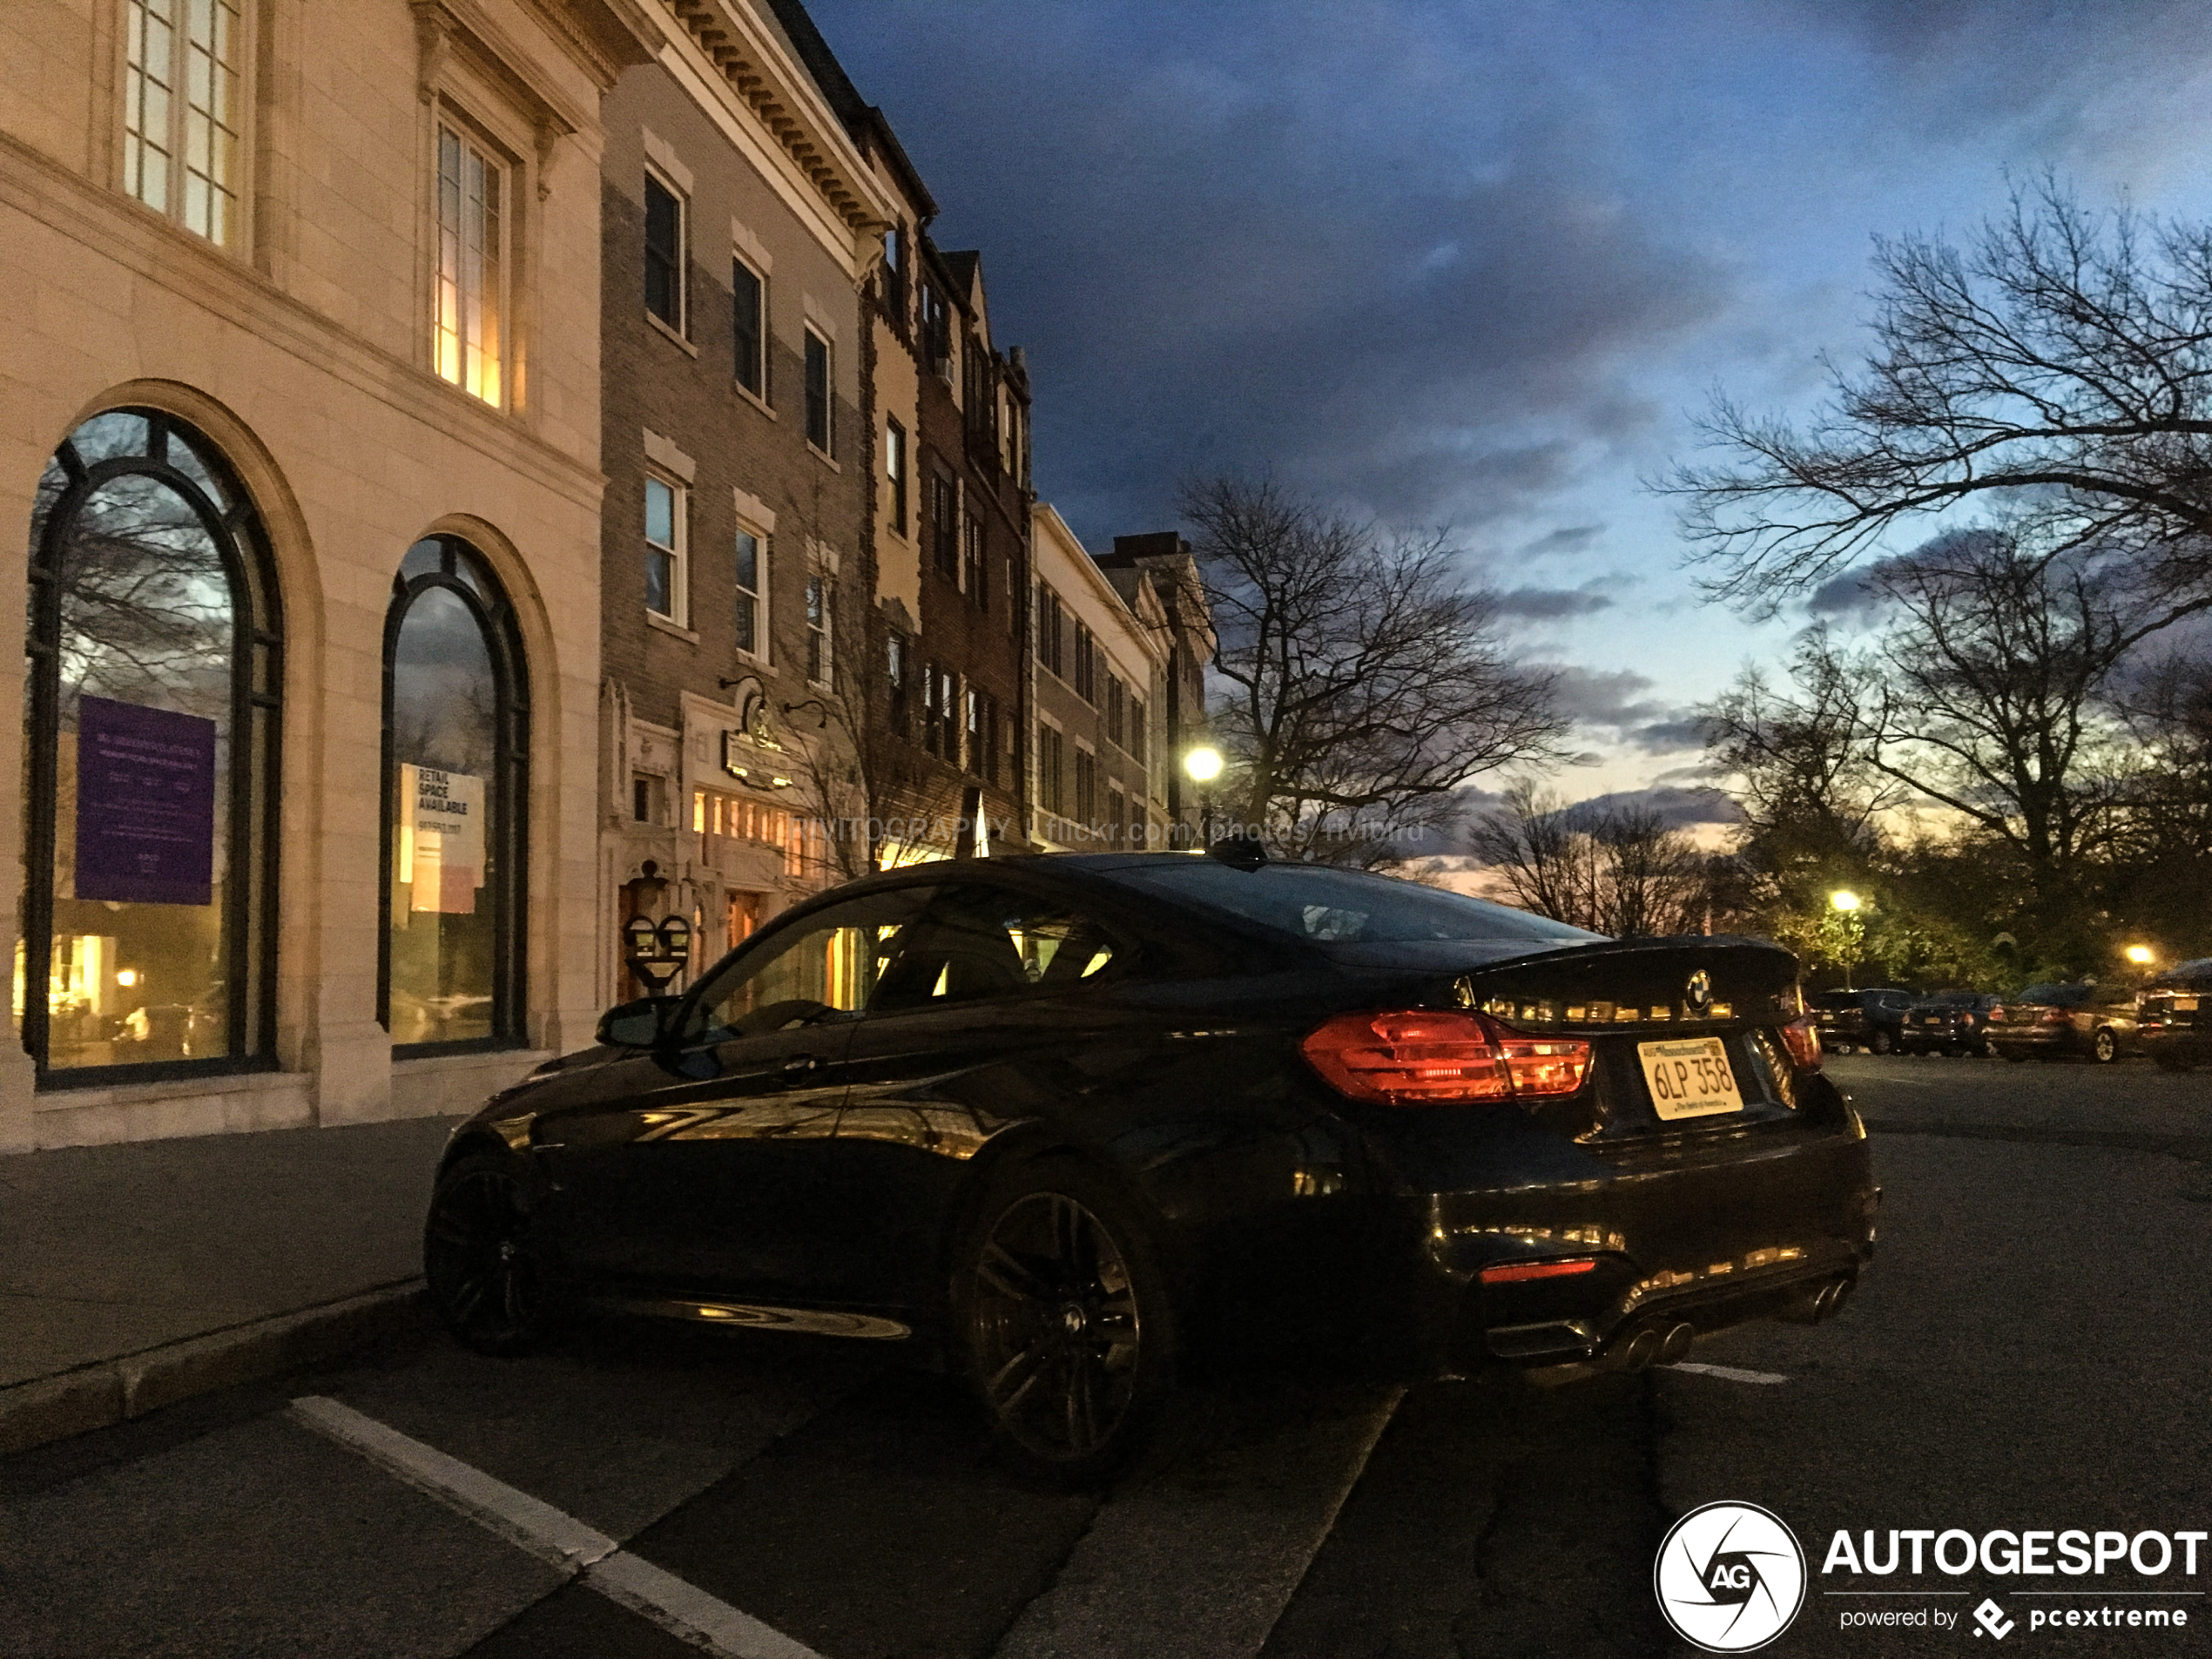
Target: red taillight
1510	1272
1997	1015
1802	1039
2055	1017
1444	1057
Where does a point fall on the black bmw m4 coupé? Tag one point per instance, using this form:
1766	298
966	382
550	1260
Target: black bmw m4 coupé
1074	1123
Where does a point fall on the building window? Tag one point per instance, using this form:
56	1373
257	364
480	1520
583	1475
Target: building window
818	394
1116	813
933	718
894	275
154	671
663	253
1114	730
1086	786
974	574
819	629
983	736
1051	766
937	332
182	110
944	524
1135	745
894	471
750	586
469	265
456	746
1048	630
664	536
898	656
1086	680
749	305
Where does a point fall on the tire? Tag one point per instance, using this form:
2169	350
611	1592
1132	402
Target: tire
1882	1042
485	1257
1061	1314
2104	1047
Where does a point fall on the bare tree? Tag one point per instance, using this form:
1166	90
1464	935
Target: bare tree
2057	368
1366	682
1799	756
1614	869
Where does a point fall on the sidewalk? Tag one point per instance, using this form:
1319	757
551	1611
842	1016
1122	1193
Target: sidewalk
134	1275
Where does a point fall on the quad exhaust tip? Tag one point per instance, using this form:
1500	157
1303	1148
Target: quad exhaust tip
1653	1344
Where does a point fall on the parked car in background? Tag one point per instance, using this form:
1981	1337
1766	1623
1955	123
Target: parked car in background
1969	1019
1873	1019
2080	1021
2172	1023
1929	1025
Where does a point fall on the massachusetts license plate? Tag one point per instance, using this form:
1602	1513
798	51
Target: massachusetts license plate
2184	1005
1689	1077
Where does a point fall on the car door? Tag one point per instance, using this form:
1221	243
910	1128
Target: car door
995	993
705	1162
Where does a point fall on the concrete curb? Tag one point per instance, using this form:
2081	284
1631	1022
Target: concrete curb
97	1396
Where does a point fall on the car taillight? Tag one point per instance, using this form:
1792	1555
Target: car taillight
1997	1015
1802	1039
2055	1017
1514	1272
1442	1057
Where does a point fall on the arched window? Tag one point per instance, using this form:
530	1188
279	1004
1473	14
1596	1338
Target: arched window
457	754
155	669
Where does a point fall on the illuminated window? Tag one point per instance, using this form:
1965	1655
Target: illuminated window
469	229
665	527
181	112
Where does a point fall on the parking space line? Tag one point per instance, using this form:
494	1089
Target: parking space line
1727	1373
682	1609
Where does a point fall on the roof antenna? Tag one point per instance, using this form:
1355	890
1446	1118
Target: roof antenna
1239	850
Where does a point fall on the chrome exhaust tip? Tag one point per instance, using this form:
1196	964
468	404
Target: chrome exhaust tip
1675	1344
1835	1297
1640	1350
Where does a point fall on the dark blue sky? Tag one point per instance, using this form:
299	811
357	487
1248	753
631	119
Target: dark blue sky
1473	263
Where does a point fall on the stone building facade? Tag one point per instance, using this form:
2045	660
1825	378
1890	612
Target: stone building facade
741	223
1157	576
299	429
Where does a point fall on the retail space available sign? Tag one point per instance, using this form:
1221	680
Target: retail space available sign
441	840
145	804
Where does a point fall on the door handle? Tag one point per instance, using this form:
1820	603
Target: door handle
798	1063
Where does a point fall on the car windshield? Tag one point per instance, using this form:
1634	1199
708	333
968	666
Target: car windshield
1332	906
2056	996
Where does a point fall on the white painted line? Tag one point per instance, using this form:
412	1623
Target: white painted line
1197	1557
1726	1373
682	1609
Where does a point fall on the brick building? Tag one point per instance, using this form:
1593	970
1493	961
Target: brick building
741	223
299	429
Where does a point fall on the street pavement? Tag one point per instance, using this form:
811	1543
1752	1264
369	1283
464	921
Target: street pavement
2028	1351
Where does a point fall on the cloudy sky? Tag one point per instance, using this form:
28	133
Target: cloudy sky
1476	263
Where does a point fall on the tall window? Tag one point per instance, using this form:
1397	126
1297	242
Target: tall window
817	393
1051	768
751	304
469	266
1114	731
664	536
457	746
663	253
975	573
1086	681
894	472
181	112
899	670
936	329
749	585
934	689
819	629
1048	630
894	275
1135	745
150	761
1086	785
944	524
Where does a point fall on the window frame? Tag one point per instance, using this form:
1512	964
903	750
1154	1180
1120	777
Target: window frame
679	575
495	616
820	616
975	571
820	401
497	164
898	463
944	524
176	122
680	325
757	651
257	739
758	390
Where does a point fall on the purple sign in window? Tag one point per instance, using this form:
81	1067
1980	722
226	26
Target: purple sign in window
145	804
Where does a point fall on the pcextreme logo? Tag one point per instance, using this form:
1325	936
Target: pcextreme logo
1729	1577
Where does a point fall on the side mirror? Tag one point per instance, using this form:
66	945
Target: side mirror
638	1025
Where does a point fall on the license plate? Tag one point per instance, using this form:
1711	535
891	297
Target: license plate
2184	1005
1689	1077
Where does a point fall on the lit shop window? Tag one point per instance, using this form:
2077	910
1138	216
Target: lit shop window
469	228
181	112
457	736
154	672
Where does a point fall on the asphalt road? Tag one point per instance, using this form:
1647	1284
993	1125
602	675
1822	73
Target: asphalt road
2029	1351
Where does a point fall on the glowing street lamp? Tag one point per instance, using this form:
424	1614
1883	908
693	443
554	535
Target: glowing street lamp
1202	762
1844	899
1845	902
2141	956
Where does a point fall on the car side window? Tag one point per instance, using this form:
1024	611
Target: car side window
979	942
827	965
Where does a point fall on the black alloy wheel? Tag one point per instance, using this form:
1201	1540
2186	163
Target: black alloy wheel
1067	1330
2104	1048
1882	1043
483	1256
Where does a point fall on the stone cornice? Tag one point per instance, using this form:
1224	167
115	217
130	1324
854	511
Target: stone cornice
154	250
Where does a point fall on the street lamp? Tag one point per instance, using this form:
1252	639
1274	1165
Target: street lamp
1203	763
2141	956
1845	902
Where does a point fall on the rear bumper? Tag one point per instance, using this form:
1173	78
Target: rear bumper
2041	1041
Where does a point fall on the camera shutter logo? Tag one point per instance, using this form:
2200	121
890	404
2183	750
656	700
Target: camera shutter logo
1991	1618
1729	1577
